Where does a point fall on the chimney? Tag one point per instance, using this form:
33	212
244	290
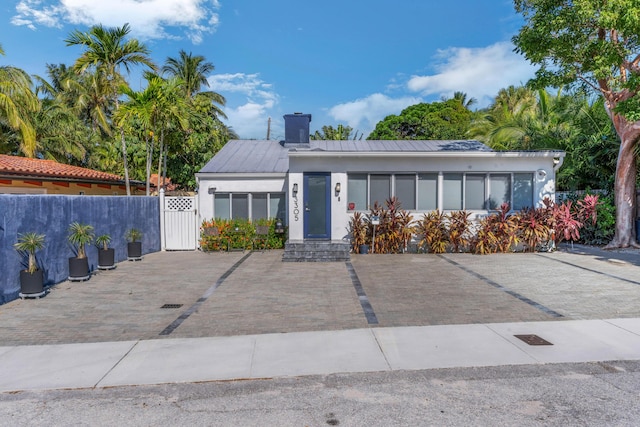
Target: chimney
296	128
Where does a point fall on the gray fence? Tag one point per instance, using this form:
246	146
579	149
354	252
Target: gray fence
51	215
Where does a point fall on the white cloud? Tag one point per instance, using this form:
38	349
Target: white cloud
479	72
149	19
255	102
363	114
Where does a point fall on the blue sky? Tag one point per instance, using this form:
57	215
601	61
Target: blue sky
343	61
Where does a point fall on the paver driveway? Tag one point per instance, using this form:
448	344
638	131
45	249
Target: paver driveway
223	294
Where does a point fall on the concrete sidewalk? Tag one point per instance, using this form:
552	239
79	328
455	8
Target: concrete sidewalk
247	316
108	364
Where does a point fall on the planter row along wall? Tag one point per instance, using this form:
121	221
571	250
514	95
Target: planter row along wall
52	215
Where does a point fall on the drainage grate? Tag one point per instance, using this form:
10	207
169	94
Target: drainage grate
171	306
533	339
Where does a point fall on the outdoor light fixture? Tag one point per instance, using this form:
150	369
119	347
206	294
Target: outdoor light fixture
542	174
295	188
211	190
337	188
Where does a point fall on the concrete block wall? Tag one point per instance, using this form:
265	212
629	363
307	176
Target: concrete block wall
52	215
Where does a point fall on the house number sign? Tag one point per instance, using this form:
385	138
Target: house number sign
296	209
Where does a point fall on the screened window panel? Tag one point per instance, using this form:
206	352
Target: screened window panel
240	206
406	191
522	191
258	206
474	198
221	205
357	191
428	192
277	206
499	190
452	191
380	189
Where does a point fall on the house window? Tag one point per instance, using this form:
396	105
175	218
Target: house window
499	190
240	206
470	191
236	205
259	206
357	192
452	191
380	189
277	206
222	206
406	191
522	191
474	198
427	191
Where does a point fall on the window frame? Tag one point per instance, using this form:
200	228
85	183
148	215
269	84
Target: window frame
439	187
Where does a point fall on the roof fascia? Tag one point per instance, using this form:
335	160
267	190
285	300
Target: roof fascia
240	175
425	154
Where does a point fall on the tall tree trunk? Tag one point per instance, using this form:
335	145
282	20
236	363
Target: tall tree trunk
625	183
123	142
149	163
160	151
124	161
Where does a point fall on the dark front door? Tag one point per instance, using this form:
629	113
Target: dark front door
317	206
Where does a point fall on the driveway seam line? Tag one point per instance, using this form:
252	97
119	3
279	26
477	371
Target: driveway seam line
504	289
384	355
367	308
590	270
96	385
184	316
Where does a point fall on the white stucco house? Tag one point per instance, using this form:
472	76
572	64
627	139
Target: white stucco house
315	186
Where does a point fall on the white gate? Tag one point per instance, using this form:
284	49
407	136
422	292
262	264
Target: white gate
179	225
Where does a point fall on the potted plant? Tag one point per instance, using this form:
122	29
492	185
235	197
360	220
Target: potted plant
106	255
134	245
31	279
79	236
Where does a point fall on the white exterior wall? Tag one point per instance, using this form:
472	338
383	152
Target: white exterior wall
340	165
234	184
296	207
543	182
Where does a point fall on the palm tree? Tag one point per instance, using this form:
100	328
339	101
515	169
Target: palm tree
509	121
461	97
17	104
107	51
340	133
158	110
193	71
138	114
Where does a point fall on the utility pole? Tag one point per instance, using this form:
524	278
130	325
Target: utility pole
269	129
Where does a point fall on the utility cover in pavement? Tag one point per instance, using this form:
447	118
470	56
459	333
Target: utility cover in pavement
533	339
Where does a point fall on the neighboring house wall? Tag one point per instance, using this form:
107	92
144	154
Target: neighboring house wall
51	215
19	186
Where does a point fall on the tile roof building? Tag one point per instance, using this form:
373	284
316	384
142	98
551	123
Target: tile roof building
21	175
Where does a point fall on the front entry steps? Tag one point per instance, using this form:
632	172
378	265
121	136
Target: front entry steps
316	251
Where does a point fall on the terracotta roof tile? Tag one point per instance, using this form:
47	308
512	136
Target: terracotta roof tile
14	165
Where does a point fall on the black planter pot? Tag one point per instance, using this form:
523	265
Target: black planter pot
106	259
79	269
134	251
31	284
364	249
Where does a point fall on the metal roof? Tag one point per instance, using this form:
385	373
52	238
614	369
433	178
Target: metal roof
249	156
263	156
